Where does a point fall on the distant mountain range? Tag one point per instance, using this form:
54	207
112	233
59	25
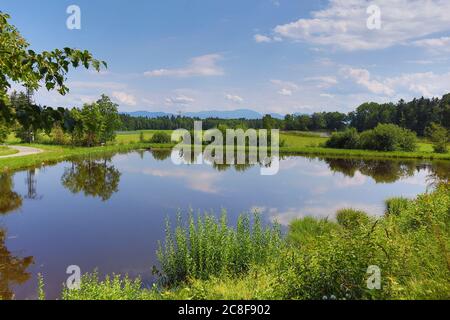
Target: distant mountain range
233	114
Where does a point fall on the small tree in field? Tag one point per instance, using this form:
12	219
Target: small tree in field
439	136
58	136
93	124
110	118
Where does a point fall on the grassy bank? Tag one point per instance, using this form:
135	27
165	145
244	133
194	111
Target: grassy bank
317	259
306	143
5	151
54	154
294	144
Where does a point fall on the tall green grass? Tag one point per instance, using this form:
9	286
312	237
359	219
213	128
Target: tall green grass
207	246
5	151
394	206
113	287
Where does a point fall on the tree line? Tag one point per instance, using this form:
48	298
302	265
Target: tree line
94	124
131	123
415	115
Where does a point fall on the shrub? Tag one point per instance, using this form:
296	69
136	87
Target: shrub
394	206
209	247
333	267
258	284
160	138
388	137
57	135
41	287
439	136
410	247
351	219
348	139
308	229
111	288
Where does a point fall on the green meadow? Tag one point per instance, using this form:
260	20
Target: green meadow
5	151
293	143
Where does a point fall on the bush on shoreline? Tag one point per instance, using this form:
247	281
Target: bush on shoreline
161	138
439	136
348	139
384	137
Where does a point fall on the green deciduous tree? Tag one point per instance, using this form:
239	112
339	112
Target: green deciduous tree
439	136
19	64
93	124
110	118
22	65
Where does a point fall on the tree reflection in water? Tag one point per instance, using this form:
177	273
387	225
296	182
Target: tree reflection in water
161	154
389	171
220	164
31	182
96	178
9	200
12	269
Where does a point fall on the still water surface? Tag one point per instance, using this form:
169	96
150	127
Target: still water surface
109	213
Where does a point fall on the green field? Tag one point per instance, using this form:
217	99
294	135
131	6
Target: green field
311	143
5	151
294	143
54	154
134	136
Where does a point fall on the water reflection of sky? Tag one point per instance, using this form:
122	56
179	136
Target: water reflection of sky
67	217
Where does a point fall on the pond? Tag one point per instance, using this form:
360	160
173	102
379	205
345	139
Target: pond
109	213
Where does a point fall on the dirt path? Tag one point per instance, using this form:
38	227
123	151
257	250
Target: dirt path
23	151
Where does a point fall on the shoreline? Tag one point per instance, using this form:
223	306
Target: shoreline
53	154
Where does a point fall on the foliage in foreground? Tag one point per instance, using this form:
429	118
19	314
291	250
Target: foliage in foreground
319	259
209	247
115	287
21	65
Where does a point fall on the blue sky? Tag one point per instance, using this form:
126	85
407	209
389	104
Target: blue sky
268	55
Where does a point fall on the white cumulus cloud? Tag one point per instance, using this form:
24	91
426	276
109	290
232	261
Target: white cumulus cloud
363	78
343	24
125	98
205	65
285	92
234	98
180	100
260	38
323	81
286	88
435	45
